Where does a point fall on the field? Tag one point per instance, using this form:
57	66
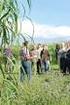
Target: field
51	88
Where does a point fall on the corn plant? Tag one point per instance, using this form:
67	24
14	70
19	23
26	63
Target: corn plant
9	13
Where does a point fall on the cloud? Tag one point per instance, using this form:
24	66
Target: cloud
43	30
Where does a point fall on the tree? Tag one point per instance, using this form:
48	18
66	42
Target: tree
9	13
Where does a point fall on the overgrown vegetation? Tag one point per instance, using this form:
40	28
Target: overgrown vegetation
51	88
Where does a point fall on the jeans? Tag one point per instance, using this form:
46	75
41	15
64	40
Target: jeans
25	70
45	65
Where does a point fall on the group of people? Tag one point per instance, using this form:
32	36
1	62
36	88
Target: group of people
37	59
63	57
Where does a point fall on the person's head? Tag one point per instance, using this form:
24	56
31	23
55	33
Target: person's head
62	46
43	46
46	47
39	46
68	44
25	44
35	47
57	46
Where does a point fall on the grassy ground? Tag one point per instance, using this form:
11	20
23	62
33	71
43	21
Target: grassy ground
51	88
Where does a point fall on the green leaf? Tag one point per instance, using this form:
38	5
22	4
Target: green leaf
1	68
29	3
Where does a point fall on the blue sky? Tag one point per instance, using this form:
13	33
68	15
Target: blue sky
53	12
51	19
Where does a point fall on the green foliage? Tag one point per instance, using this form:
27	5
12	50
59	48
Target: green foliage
8	20
16	51
52	53
51	88
48	89
9	13
29	3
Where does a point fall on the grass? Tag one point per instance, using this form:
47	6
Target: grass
51	88
54	67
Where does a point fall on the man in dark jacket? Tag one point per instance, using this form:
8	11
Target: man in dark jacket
68	60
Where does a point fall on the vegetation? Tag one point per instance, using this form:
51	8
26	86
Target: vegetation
48	89
51	88
9	15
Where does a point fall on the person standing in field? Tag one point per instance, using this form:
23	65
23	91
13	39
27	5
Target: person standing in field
67	60
61	57
45	59
8	56
25	62
34	60
39	48
56	51
9	61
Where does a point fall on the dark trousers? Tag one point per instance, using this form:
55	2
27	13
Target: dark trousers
38	66
66	65
62	64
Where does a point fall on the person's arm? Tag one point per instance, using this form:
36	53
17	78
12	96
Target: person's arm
29	57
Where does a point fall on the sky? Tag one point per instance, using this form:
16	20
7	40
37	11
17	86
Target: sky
51	12
51	20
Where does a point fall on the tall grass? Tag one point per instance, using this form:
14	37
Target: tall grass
51	88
